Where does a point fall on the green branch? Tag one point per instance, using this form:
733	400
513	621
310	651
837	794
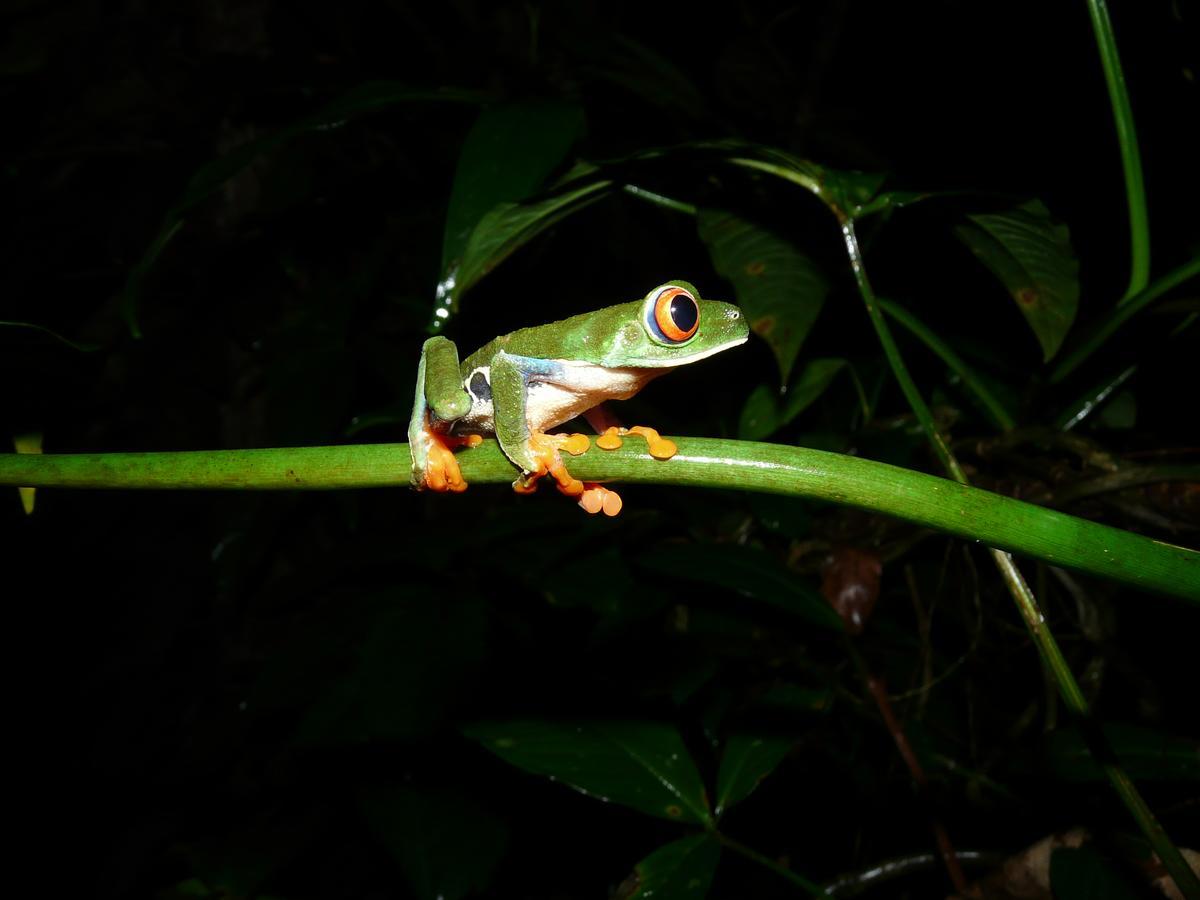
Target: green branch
1131	162
970	513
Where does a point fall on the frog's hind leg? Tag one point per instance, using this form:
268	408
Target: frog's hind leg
440	398
535	453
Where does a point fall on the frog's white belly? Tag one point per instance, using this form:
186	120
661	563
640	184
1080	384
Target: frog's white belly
568	390
550	403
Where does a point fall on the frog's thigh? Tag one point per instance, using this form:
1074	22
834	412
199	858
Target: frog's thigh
510	376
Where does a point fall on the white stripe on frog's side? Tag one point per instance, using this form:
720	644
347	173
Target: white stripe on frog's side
576	387
563	390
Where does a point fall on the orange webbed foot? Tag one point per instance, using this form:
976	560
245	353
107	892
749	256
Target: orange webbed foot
659	446
546	451
442	472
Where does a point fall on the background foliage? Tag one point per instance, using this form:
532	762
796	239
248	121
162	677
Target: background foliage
237	221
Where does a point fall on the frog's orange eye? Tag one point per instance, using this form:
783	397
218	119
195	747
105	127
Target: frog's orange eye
676	314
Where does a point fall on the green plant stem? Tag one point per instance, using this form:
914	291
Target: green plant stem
659	199
899	370
926	500
1027	603
813	889
1118	95
1119	316
1093	399
1098	745
926	335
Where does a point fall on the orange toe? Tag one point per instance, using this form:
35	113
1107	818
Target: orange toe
610	440
597	498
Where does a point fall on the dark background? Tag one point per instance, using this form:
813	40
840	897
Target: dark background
212	687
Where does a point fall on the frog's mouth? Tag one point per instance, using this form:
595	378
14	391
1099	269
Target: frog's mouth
674	361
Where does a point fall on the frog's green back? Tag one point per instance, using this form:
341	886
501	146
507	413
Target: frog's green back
617	336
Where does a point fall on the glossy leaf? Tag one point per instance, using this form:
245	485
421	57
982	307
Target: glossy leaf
1145	754
507	227
766	410
850	191
445	843
680	870
365	98
890	201
1032	257
746	761
643	765
845	191
780	289
1082	873
748	571
507	156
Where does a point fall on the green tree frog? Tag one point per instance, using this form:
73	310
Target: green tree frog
522	384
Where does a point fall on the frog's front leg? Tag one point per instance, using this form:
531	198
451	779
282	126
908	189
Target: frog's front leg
534	452
440	400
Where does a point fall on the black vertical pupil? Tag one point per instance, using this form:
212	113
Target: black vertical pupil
684	312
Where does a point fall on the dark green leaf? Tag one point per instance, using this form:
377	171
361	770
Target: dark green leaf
414	658
746	761
507	227
746	570
680	870
362	99
445	843
646	72
849	190
893	200
780	289
1032	256
1145	754
506	158
1082	873
643	765
766	410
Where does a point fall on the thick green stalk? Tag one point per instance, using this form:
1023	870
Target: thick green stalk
1131	162
899	370
973	514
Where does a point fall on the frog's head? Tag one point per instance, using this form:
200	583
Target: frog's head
672	326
